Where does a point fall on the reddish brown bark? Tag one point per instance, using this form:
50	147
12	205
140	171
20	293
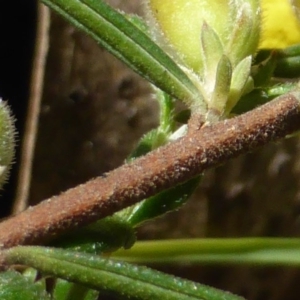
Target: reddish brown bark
157	171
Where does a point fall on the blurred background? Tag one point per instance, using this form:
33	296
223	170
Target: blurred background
93	110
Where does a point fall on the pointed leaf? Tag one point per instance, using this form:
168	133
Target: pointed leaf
222	86
212	50
238	46
240	76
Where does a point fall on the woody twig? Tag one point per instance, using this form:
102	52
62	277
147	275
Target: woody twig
161	169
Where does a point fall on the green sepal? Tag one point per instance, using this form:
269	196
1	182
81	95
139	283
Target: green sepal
238	48
211	50
240	77
222	87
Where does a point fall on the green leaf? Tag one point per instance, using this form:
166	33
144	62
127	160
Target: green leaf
241	251
160	204
263	69
159	136
122	279
287	62
261	96
122	38
105	235
145	145
288	67
14	286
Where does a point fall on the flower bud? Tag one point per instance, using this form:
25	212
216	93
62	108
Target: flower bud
7	141
236	23
210	37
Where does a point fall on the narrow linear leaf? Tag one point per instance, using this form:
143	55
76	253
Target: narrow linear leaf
123	279
122	38
254	251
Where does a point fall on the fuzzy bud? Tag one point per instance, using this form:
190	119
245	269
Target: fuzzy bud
214	39
7	141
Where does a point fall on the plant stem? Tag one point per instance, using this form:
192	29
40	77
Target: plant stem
161	169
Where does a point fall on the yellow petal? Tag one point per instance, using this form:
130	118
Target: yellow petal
181	22
280	24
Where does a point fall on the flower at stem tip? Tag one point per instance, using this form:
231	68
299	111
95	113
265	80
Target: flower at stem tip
214	42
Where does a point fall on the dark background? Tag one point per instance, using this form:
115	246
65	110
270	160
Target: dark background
17	32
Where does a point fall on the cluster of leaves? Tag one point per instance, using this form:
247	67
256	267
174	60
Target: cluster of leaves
74	258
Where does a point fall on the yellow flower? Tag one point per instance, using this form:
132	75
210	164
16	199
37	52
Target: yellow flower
280	23
214	40
182	22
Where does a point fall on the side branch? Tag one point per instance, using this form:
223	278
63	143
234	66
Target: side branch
159	170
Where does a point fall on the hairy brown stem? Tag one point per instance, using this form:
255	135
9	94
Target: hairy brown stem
157	171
